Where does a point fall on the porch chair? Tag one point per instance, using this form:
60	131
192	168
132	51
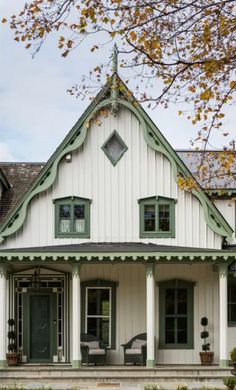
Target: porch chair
93	350
135	351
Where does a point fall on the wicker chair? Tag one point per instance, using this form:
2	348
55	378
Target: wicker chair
135	351
93	350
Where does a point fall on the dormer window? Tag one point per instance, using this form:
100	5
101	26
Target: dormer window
157	217
72	217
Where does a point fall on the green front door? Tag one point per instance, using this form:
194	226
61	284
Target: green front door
39	336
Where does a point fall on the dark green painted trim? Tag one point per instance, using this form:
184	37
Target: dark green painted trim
224	363
112	257
125	148
101	283
231	281
76	363
3	364
150	363
72	201
175	284
156	201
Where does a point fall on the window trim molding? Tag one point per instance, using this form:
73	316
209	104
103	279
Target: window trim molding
156	201
72	200
175	283
106	284
125	147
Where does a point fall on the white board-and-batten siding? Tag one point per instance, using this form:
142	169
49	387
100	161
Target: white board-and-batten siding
227	208
114	192
131	306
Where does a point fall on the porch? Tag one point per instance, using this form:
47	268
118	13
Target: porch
63	376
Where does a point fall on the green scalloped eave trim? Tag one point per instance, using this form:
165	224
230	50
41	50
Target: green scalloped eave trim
47	180
140	257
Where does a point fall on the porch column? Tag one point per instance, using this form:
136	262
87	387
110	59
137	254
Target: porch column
150	287
76	317
3	319
223	314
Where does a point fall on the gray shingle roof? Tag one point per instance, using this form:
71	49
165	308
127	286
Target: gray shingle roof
20	176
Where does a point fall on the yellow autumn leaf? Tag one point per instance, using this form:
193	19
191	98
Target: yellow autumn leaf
4	20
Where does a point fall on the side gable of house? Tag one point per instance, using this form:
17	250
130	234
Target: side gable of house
81	168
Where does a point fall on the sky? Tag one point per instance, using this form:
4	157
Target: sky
36	112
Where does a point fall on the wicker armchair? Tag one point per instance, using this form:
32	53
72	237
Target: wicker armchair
135	351
93	350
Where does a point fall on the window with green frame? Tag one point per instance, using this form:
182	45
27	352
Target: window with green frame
72	217
176	314
231	300
157	217
98	310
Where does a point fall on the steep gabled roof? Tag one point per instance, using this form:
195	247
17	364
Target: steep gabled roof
113	94
4	180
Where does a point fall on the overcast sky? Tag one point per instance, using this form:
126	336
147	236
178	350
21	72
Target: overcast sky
36	112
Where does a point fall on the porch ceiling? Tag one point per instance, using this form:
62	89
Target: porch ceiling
118	252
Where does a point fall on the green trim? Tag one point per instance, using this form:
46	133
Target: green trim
150	363
76	363
124	146
3	364
175	285
72	201
100	283
188	256
157	201
75	139
231	282
224	363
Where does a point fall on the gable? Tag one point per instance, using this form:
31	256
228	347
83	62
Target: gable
78	136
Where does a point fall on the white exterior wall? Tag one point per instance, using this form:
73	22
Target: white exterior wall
131	305
114	191
227	208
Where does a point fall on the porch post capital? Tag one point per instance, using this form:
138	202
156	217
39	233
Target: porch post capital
3	271
150	269
223	270
76	268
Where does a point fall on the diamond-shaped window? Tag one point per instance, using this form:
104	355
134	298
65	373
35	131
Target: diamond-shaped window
114	147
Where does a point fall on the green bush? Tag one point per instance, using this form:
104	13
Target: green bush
233	354
182	387
230	382
152	386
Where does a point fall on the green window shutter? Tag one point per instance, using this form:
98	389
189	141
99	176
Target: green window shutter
100	284
72	217
176	314
157	217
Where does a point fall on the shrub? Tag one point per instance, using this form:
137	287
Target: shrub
229	382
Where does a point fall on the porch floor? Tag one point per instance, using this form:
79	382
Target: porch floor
63	376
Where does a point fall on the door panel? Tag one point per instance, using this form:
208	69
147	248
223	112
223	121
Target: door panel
40	327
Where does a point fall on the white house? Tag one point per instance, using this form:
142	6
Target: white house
102	240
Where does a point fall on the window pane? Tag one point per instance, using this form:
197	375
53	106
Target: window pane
169	336
170	301
99	327
104	308
92	301
182	330
232	312
232	293
182	301
149	218
64	218
79	218
164	218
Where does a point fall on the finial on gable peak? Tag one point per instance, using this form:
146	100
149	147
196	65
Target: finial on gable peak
115	59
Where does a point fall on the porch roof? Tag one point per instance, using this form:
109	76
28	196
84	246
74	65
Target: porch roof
126	251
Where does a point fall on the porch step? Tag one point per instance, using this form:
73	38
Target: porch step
112	378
